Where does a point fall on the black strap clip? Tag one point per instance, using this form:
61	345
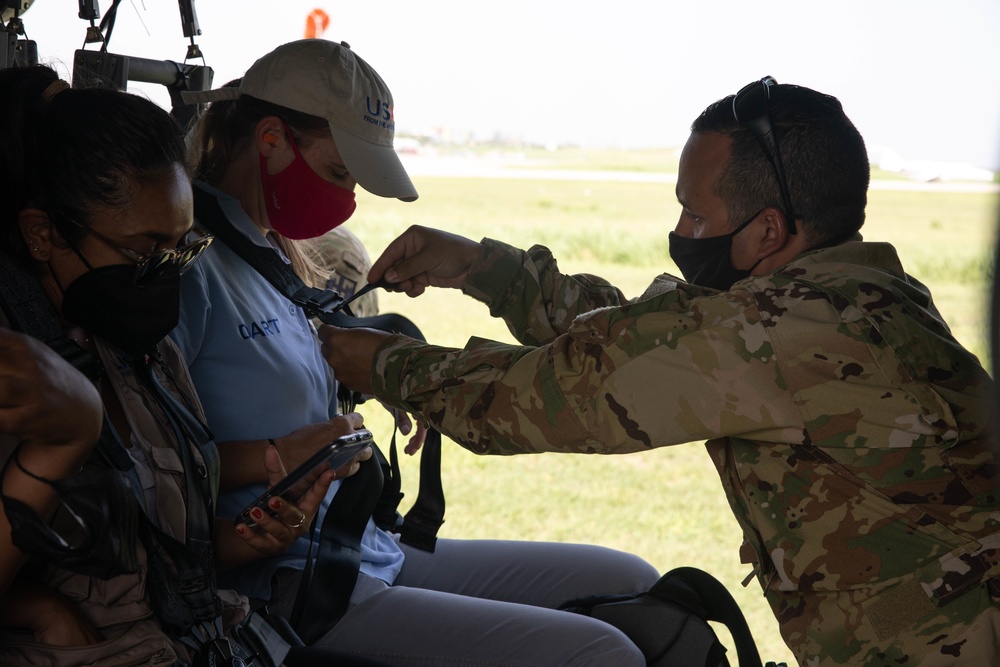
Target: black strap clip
314	300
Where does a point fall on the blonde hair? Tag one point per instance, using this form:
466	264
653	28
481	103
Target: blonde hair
307	263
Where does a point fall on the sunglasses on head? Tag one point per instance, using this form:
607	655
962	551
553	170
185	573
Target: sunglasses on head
752	110
149	265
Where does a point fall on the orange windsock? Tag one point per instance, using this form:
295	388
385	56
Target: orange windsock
316	23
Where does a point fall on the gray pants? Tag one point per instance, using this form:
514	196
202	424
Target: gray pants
486	602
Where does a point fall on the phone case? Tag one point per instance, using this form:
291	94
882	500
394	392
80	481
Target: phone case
330	456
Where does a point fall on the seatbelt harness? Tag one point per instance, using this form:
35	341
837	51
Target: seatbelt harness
328	581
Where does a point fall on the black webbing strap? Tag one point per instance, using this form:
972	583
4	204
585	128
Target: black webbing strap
386	514
194	600
420	526
325	589
424	518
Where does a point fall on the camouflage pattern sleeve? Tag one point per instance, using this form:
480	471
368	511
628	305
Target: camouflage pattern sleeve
656	372
526	289
852	433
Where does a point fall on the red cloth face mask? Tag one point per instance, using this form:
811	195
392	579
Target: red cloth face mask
300	204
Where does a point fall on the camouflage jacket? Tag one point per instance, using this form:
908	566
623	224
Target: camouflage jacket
851	431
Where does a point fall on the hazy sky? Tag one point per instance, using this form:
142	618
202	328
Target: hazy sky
919	76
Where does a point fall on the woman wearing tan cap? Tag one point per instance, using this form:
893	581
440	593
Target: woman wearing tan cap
281	152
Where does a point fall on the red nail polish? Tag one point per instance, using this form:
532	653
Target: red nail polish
256	513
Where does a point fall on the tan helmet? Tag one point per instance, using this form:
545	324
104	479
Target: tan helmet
348	262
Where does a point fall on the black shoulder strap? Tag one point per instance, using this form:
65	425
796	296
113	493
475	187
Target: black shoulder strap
194	600
338	559
425	516
704	596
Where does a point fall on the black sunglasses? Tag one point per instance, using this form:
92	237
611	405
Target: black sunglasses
752	110
149	265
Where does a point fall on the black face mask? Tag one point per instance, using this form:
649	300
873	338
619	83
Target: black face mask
706	261
107	303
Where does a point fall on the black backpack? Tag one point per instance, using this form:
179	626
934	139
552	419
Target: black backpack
669	622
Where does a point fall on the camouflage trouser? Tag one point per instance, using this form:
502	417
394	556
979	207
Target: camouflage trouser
893	630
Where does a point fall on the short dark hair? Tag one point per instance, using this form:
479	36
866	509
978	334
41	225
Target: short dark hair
824	157
73	151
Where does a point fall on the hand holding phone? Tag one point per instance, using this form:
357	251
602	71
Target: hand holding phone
330	456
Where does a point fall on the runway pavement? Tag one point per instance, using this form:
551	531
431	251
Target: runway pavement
487	167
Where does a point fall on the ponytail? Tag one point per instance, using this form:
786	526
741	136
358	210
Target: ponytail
305	258
70	151
21	96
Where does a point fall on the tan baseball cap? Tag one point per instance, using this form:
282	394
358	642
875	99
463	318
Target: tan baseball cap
328	80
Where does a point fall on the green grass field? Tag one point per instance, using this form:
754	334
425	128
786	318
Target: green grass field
666	505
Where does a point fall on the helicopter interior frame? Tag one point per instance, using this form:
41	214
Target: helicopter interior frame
102	68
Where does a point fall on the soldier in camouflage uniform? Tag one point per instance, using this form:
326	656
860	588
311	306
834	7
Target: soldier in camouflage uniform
850	429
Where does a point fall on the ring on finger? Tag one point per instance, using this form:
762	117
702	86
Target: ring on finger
302	522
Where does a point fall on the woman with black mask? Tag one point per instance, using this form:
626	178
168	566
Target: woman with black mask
97	221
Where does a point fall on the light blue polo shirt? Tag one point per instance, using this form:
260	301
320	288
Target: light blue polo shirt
255	361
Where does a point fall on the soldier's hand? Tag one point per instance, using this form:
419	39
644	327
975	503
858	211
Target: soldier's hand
405	426
422	257
350	352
